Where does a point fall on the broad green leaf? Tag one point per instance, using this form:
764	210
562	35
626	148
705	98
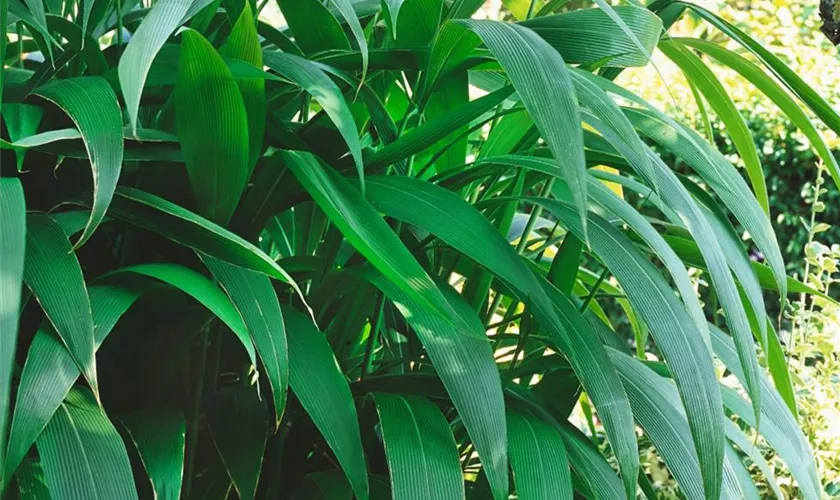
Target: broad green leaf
452	93
373	238
82	453
682	346
772	90
314	27
736	126
21	121
50	371
540	77
589	465
587	36
243	44
239	427
451	219
92	105
171	221
12	250
201	289
310	77
255	299
53	273
324	393
538	459
212	126
159	436
421	452
419	22
158	25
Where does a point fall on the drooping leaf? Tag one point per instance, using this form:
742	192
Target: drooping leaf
82	453
212	127
538	459
255	299
50	371
157	26
239	426
52	271
159	436
92	105
421	452
318	383
12	251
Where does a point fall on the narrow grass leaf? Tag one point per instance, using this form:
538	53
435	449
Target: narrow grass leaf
324	393
421	452
92	105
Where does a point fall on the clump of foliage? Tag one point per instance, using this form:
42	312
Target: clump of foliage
365	254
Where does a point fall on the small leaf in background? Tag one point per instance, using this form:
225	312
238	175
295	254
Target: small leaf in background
92	105
21	121
159	436
239	427
421	452
12	251
212	126
82	453
53	273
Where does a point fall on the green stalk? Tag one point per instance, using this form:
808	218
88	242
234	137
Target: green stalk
192	437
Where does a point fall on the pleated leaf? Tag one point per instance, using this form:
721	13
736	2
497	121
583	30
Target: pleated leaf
421	452
239	427
255	299
159	436
158	25
52	271
313	25
12	251
369	234
212	126
92	105
49	371
538	459
541	79
83	455
324	393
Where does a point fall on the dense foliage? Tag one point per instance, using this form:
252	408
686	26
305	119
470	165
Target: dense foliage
367	254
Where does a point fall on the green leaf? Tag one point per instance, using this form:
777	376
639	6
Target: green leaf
201	289
324	393
21	121
312	78
345	8
362	226
590	465
83	454
50	371
255	299
12	251
678	340
212	126
460	225
158	25
542	81
52	271
421	452
31	481
92	105
239	427
538	459
243	44
392	9
313	25
774	91
159	436
171	221
587	36
718	98
419	22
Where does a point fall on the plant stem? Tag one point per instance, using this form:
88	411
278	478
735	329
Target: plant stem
192	438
